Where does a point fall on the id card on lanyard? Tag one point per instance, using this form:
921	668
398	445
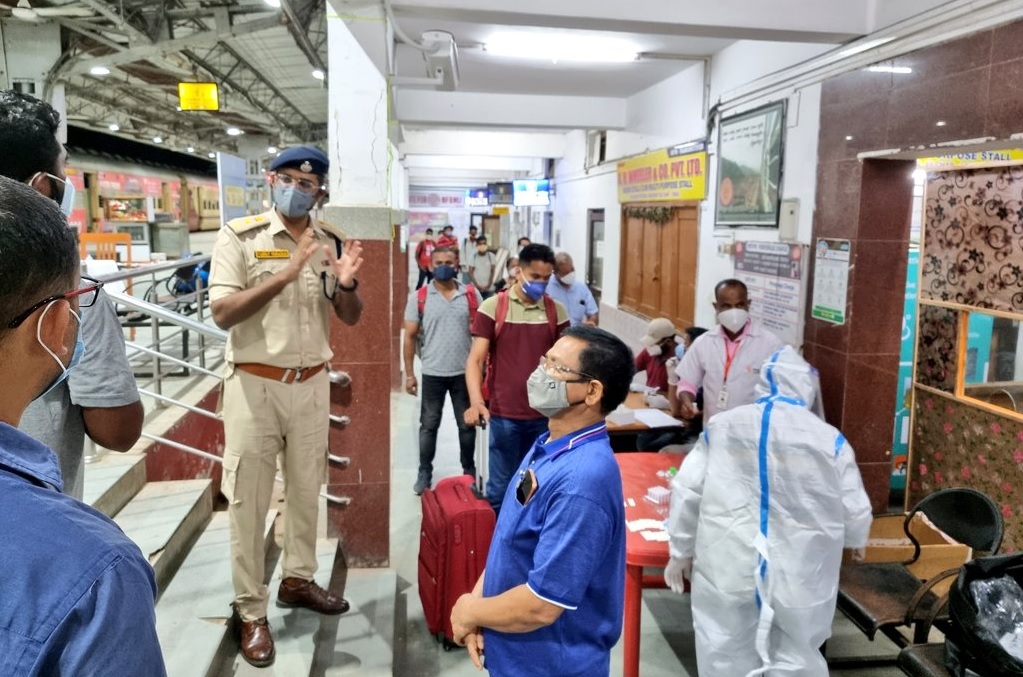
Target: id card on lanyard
729	358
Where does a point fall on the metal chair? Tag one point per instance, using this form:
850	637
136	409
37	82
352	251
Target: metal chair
885	596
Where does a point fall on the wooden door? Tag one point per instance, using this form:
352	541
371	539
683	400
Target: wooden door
658	262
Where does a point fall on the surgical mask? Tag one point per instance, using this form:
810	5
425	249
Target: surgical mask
680	350
67	201
534	289
444	272
481	250
76	354
291	202
514	272
568	280
654	350
67	198
547	395
733	319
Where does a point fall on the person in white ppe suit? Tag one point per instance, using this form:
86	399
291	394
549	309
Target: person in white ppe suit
760	512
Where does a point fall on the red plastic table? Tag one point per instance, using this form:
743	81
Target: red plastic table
639	472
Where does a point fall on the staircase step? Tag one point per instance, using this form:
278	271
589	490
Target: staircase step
193	612
112	480
360	642
164	519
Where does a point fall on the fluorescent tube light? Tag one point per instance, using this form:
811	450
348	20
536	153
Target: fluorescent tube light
862	47
889	69
560	47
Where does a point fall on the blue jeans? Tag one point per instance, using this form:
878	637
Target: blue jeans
433	391
510	441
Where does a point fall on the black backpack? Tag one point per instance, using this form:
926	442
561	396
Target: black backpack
966	648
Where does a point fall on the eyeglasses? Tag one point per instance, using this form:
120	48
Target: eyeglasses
304	185
86	297
560	369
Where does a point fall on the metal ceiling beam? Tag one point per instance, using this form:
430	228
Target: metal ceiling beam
87	31
298	28
102	8
158	49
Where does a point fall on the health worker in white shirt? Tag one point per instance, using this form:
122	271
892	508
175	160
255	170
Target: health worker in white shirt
726	360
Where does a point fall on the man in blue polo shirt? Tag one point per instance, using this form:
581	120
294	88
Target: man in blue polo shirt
550	599
571	293
78	595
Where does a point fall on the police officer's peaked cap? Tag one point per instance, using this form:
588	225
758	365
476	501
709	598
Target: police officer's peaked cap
302	158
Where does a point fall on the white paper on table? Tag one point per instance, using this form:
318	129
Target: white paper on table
655	418
654	535
643	524
101	267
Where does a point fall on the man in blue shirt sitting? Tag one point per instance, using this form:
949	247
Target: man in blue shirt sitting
571	293
78	595
550	599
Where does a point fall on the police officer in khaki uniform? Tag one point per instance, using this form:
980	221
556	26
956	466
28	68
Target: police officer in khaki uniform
275	278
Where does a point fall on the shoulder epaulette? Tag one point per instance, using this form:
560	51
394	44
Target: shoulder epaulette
246	223
331	229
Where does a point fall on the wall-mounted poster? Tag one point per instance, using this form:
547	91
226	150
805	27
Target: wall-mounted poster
749	167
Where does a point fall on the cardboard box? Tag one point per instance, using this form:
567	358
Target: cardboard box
888	543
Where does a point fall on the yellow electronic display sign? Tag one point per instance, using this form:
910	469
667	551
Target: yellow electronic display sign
198	96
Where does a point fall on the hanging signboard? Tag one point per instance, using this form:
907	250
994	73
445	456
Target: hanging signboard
831	280
983	158
673	174
432	199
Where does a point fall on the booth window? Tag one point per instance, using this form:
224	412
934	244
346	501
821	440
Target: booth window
993	360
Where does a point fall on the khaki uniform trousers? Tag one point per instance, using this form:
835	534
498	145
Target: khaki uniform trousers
262	419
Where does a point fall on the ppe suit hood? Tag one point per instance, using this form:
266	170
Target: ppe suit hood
787	375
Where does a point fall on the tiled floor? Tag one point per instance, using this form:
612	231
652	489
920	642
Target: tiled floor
667	640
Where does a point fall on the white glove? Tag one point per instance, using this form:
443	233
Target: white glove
678	571
671	365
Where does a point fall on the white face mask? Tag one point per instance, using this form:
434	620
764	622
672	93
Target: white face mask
67	200
568	280
654	350
733	319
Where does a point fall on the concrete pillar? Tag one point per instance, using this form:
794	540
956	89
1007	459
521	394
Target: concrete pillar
367	190
28	52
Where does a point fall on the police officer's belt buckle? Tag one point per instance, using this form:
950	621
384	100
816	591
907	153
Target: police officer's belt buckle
281	374
292	375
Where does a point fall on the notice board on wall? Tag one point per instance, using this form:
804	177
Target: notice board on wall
831	280
773	275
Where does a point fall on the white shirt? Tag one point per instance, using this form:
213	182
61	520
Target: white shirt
705	362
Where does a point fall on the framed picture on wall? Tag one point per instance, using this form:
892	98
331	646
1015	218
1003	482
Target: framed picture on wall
750	149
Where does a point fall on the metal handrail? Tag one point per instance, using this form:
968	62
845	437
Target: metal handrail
162	314
152	268
164	356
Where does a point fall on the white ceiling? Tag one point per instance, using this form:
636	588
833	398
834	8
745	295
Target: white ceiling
272	95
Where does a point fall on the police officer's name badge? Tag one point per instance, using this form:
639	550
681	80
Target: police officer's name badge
273	254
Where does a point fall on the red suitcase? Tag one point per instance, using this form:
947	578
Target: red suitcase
453	542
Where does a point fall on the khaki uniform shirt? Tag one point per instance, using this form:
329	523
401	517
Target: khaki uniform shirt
293	329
